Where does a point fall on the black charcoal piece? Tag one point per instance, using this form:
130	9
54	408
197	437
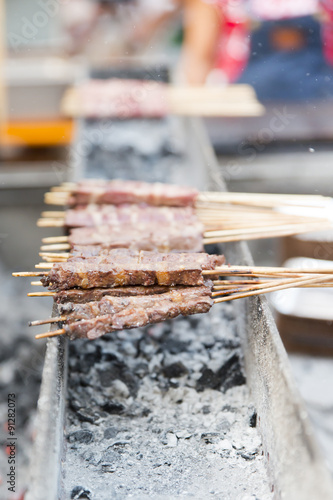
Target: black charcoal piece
80	493
113	407
210	437
87	415
253	419
82	436
208	380
174	370
248	456
108	468
231	373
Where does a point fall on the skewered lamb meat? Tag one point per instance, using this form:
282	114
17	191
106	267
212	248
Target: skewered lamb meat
117	192
117	313
127	214
112	305
123	98
185	238
123	267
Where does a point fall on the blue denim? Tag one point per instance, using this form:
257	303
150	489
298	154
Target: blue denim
296	75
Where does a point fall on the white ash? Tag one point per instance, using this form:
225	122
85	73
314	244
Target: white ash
163	412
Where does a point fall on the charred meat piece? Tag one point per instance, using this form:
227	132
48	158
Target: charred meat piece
130	215
123	267
117	192
186	238
93	319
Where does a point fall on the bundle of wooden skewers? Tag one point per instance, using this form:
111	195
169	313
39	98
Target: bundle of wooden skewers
134	255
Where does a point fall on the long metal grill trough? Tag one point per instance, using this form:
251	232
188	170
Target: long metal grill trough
163	411
198	407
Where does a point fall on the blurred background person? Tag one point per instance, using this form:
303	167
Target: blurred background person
103	30
283	48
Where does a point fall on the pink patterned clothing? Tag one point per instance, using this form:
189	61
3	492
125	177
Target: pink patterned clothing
234	45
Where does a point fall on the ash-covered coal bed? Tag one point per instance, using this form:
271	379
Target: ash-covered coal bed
138	149
163	412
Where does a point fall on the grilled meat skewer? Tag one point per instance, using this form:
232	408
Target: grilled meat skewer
118	192
127	214
94	319
124	267
153	238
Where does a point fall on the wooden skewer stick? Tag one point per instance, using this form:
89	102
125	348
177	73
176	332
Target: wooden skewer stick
286	227
238	270
55	239
256	236
59	193
265	284
264	199
60	214
60	246
49	201
50	223
44	265
63	255
55	333
56	259
269	196
236	284
41	294
266	275
62	189
58	319
230	208
247	288
36	283
29	273
243	222
218	283
223	271
56	196
263	281
291	284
